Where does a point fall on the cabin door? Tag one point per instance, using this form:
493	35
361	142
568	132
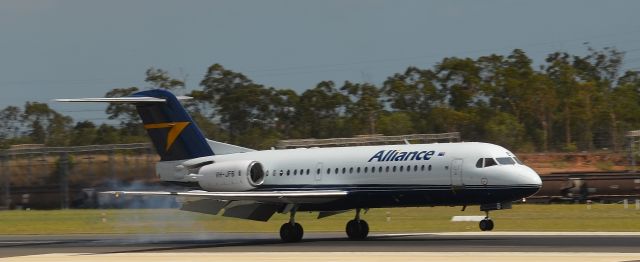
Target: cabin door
456	173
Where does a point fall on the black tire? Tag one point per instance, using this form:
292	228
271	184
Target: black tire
486	225
357	229
365	229
299	232
286	231
291	233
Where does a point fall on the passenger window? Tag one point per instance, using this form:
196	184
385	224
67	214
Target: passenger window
479	163
318	171
422	168
281	172
301	171
366	169
295	172
506	161
408	168
288	172
401	168
358	170
328	171
308	171
337	170
394	168
344	170
373	169
415	168
351	170
429	167
387	168
379	169
489	162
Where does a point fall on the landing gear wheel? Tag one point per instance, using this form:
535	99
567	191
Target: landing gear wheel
486	224
357	229
291	232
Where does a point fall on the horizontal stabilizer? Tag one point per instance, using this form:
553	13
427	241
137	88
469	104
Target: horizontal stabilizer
275	197
127	99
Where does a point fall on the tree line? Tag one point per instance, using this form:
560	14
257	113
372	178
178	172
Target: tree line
568	103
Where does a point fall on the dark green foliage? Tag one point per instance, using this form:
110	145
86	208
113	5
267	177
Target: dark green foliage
570	103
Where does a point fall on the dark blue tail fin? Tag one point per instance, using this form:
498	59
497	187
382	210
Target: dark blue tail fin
172	131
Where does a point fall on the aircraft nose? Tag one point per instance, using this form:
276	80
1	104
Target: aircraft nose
531	177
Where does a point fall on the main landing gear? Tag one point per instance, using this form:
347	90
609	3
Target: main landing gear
486	224
357	229
291	231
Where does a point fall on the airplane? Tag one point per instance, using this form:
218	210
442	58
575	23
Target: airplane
255	184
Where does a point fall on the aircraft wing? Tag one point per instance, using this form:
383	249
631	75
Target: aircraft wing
267	197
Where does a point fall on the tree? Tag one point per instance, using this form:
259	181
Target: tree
9	124
106	134
365	105
283	104
320	110
460	78
601	68
45	125
564	78
505	129
395	123
159	78
84	133
130	122
415	94
219	81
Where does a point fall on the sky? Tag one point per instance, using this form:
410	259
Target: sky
65	49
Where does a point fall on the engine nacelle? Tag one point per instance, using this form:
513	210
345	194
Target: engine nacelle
241	175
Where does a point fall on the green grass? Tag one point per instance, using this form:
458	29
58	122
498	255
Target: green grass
601	217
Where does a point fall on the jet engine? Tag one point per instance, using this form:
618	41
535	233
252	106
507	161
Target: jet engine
240	175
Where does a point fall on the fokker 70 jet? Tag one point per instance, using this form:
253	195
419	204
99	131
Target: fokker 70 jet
254	184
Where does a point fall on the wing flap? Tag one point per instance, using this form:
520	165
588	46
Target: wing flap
252	211
275	197
205	206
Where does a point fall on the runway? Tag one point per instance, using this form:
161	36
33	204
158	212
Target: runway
482	244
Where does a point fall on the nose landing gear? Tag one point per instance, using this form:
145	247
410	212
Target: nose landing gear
357	229
486	224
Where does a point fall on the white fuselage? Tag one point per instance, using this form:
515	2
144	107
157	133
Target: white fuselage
427	167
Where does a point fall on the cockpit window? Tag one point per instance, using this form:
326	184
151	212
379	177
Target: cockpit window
518	160
479	163
489	162
506	161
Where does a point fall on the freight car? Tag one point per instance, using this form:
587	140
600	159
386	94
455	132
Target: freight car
579	187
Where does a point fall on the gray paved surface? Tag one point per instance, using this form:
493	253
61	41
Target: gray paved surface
316	242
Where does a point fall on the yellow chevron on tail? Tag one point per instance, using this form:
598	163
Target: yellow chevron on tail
174	132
